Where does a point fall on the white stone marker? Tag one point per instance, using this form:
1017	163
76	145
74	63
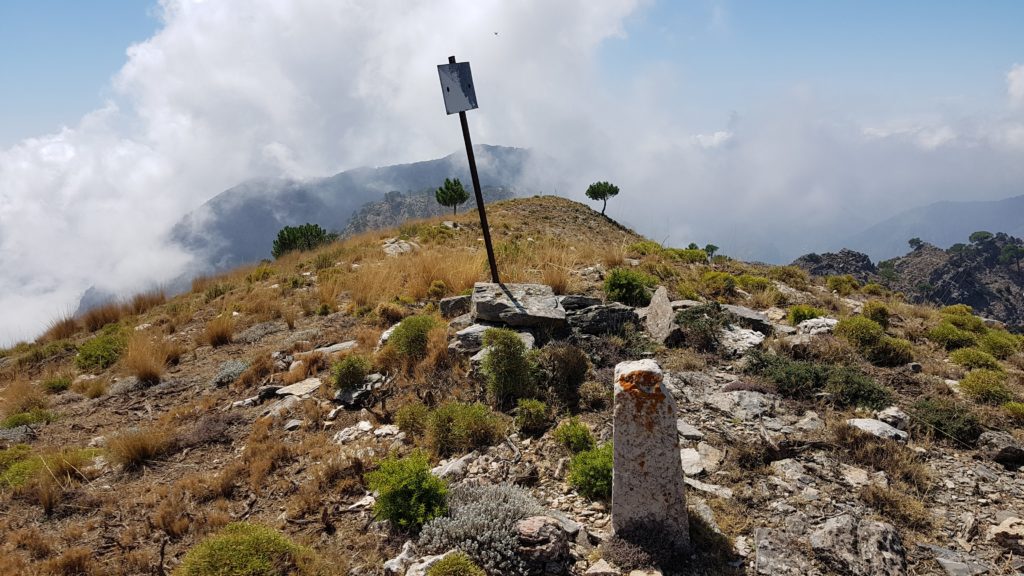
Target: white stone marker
647	483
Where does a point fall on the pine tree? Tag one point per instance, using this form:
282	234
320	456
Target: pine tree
452	194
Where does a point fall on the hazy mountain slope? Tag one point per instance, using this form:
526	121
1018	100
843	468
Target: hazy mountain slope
240	224
397	207
942	224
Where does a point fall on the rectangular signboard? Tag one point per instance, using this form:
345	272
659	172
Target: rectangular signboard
457	87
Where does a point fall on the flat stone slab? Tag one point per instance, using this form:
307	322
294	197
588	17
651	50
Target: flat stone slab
307	386
603	319
815	326
878	428
454	306
742	404
750	318
522	305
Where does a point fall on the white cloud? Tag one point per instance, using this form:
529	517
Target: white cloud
236	89
1015	85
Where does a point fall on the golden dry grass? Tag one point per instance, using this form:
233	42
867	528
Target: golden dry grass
146	301
220	330
100	316
20	395
133	448
64	326
147	357
90	387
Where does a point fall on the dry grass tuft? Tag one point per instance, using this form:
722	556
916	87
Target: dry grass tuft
146	358
146	301
21	396
73	562
613	257
261	366
33	541
132	449
220	330
900	463
90	387
557	277
64	326
264	452
901	508
100	316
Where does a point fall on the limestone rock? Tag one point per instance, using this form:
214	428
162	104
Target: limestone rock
396	246
1009	534
858	547
454	306
742	404
815	326
1003	448
469	340
660	319
687	431
738	341
602	319
456	468
526	305
602	568
17	434
647	488
397	565
750	318
573	302
420	568
894	417
543	544
307	386
878	428
777	554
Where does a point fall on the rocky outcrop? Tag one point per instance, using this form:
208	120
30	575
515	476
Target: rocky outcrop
518	305
844	262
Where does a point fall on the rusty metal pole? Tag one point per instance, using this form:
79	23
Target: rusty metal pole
479	194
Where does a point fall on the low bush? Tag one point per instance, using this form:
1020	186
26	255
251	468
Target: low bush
901	508
890	352
843	285
873	289
574	435
507	368
411	336
945	419
590	472
33	416
860	331
877	311
951	337
145	358
245	549
595	395
482	522
457	564
752	283
644	248
800	312
686	255
791	275
715	284
1015	410
532	416
412	418
102	315
973	358
56	383
220	330
849	387
701	326
999	343
409	495
103	350
987	386
561	370
961	316
350	372
457	427
630	287
792	378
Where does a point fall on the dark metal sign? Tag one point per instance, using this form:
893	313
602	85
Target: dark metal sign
457	87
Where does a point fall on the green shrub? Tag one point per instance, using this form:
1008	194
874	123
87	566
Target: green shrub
947	420
961	316
877	311
792	378
957	310
506	366
350	372
843	285
860	331
595	396
988	386
410	337
849	387
561	370
701	326
532	416
801	312
458	427
103	350
791	275
1015	410
574	435
412	418
687	255
455	564
715	284
873	289
951	337
57	383
244	549
33	416
643	248
752	283
630	287
890	352
304	237
973	358
590	472
999	343
409	495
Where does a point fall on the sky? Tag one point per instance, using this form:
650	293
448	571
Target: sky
765	128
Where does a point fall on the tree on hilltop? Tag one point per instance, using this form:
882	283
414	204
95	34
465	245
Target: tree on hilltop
980	236
1011	254
710	250
452	194
305	237
602	191
915	243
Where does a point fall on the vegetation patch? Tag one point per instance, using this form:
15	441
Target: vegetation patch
718	285
103	350
630	287
455	427
409	495
843	285
951	337
456	564
506	366
999	343
561	370
986	386
590	472
574	435
701	326
945	419
246	549
973	358
800	312
532	416
877	311
350	372
411	336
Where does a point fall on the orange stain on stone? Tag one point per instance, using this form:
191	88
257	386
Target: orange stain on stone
644	388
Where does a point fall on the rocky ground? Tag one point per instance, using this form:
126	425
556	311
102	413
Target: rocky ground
252	429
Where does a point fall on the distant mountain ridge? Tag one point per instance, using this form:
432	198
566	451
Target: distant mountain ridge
397	207
941	224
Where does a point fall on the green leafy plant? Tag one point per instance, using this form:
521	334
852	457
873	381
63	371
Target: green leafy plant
951	337
245	549
800	312
305	237
561	370
889	352
532	416
33	416
409	494
946	419
350	372
455	564
1015	410
630	287
412	418
843	285
999	343
849	387
590	472
752	283
987	386
458	427
973	358
602	191
686	255
102	350
860	331
574	435
506	366
877	311
715	284
56	383
701	326
410	337
451	194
